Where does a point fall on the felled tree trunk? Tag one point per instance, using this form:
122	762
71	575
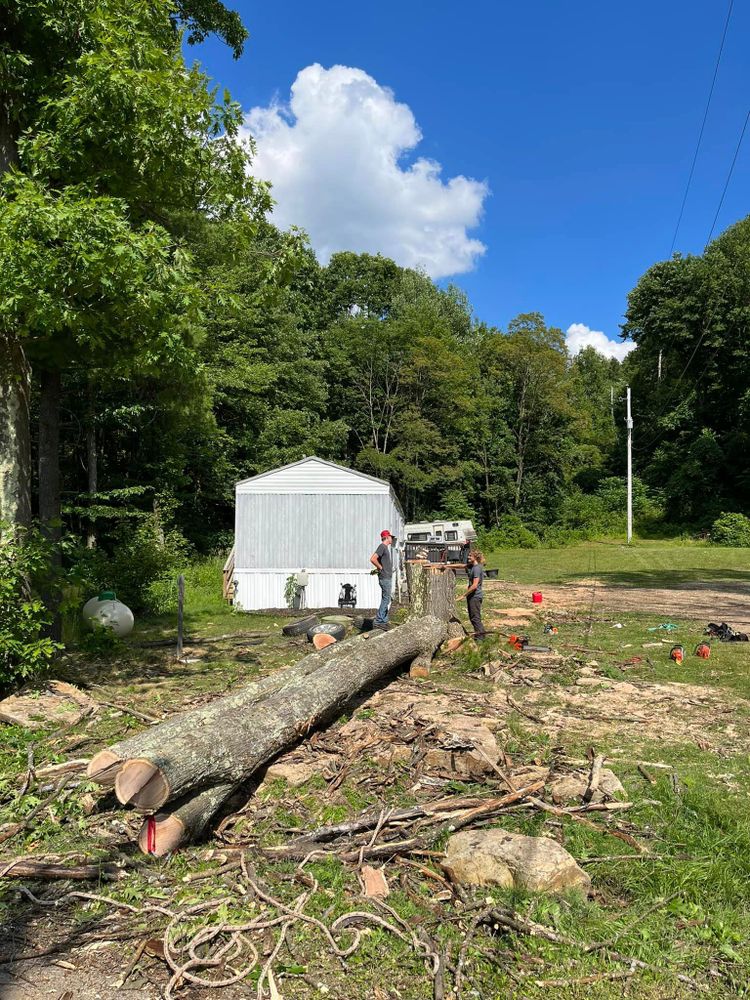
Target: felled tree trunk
106	765
166	831
230	739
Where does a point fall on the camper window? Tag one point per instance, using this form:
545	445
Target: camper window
451	536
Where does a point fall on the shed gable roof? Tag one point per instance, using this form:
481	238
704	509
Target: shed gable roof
313	475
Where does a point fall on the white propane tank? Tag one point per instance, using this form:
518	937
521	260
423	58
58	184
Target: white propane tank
107	611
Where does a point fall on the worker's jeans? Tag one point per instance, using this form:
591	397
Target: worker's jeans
474	607
386	589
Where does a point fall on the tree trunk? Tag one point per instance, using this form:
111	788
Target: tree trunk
166	831
15	439
432	590
49	489
15	436
239	741
49	453
92	466
106	765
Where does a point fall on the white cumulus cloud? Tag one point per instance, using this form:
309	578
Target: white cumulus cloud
579	336
335	156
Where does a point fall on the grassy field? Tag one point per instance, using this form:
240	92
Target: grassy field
671	876
642	564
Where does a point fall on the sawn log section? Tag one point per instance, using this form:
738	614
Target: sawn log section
107	764
226	742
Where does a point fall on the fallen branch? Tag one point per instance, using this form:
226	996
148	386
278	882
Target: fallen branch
26	822
522	711
27	868
594	778
598	977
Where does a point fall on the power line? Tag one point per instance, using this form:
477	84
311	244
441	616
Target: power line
729	176
703	126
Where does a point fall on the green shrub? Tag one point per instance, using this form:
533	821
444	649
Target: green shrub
24	651
202	586
604	512
731	529
140	564
510	533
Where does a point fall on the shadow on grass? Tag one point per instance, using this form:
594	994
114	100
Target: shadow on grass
731	580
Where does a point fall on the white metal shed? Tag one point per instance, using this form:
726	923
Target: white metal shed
316	516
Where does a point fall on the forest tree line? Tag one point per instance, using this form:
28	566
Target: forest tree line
161	339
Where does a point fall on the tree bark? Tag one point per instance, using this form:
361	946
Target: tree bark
49	452
186	822
106	765
49	488
92	465
15	439
432	590
15	436
239	741
28	868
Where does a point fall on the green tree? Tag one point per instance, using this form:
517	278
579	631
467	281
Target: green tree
695	421
95	95
529	367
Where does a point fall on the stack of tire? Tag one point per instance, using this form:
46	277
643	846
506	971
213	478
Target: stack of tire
312	626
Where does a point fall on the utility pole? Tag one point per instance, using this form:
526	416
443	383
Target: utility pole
629	425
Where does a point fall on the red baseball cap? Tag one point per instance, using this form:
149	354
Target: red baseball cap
385	534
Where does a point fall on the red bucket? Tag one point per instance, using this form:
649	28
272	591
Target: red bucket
536	597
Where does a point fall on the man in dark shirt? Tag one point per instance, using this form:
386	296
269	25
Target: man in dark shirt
382	560
474	595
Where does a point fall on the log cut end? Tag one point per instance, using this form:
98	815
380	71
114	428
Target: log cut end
104	768
161	834
420	666
142	784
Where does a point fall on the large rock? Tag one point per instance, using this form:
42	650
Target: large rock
466	748
294	773
511	860
572	786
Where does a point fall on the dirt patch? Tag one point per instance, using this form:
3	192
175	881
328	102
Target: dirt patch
730	603
673	713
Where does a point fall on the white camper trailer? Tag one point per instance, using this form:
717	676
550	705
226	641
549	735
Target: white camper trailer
461	532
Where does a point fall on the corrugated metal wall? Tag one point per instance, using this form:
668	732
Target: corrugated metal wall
310	531
257	589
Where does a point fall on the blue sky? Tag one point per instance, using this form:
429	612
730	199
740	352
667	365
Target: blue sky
580	120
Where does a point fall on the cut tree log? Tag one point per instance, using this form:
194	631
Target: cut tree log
432	591
225	743
106	765
166	831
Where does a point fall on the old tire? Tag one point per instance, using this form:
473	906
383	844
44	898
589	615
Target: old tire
301	626
329	628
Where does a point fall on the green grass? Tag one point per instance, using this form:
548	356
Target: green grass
687	911
642	564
